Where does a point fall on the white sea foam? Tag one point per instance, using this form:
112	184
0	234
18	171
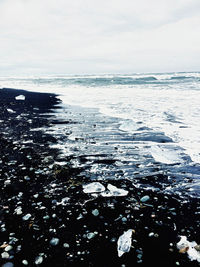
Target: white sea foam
168	104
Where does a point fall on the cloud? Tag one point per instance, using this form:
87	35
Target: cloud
62	36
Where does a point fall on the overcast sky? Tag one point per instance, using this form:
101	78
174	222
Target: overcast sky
98	36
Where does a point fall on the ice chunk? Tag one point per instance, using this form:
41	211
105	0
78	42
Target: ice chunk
128	126
54	241
64	201
94	187
10	110
20	97
38	260
186	246
26	217
114	191
165	155
124	242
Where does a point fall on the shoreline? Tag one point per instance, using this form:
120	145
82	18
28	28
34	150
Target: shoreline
48	220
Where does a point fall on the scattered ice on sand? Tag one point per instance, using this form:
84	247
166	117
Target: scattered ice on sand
190	247
124	242
112	191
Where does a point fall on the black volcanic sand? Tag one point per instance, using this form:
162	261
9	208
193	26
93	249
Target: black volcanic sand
41	200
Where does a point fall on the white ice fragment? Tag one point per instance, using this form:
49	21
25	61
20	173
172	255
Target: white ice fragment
124	242
26	217
38	260
18	211
193	254
7	182
10	110
114	191
5	255
94	187
64	201
165	155
54	241
20	97
25	262
8	248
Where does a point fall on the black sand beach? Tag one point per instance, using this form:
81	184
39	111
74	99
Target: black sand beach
47	220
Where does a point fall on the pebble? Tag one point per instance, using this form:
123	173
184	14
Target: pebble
95	212
139	256
8	264
124	219
66	245
145	198
54	241
25	262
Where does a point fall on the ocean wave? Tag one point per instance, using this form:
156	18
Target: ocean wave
181	77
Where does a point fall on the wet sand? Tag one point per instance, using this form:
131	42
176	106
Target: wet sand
47	220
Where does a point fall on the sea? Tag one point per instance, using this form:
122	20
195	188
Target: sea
128	126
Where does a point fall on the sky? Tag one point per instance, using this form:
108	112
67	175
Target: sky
40	37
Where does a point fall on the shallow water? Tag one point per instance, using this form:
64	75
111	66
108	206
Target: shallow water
145	120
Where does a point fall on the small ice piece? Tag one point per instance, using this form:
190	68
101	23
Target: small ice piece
64	201
114	191
94	187
38	260
54	241
124	242
26	217
95	212
91	235
20	97
5	255
25	262
186	246
8	248
7	182
10	110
